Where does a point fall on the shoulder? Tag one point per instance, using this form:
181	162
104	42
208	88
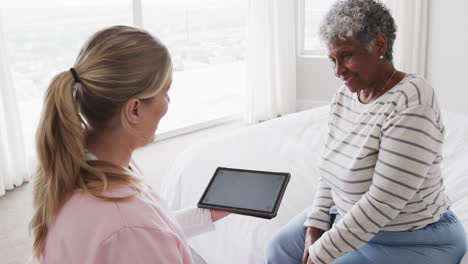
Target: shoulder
342	93
415	105
86	215
83	210
341	97
86	226
413	91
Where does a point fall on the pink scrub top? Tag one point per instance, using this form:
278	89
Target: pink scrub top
143	230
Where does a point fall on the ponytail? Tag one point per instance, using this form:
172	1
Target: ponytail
60	148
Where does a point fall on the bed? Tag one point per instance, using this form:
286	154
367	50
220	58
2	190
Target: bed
291	143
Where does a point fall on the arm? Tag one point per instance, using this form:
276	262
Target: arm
319	214
410	142
312	234
318	217
139	246
195	221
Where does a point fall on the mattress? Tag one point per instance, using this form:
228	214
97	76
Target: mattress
289	144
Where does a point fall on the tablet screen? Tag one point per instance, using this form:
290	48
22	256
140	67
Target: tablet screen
245	189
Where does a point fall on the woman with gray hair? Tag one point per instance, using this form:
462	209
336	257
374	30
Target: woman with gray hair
381	197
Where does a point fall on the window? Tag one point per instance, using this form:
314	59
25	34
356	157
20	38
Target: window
316	83
43	41
205	38
313	12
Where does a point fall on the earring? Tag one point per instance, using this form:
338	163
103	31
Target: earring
381	57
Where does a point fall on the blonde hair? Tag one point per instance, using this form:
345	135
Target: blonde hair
115	65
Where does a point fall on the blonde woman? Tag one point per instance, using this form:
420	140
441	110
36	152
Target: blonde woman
90	203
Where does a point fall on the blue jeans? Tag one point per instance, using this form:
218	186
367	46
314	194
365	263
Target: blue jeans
443	242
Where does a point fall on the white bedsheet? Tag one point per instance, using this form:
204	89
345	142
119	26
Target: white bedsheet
293	144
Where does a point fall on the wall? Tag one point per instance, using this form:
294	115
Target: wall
316	82
447	55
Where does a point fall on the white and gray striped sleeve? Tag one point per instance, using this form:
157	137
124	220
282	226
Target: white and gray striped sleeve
319	214
410	142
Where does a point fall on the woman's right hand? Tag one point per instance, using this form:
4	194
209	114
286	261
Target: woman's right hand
312	235
216	214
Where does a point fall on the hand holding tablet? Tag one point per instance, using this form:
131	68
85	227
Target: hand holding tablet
247	192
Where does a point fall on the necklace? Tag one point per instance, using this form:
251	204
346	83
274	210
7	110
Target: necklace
385	86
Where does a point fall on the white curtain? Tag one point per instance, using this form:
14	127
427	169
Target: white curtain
410	48
270	59
13	168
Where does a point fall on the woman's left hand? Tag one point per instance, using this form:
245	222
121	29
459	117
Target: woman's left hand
216	214
310	261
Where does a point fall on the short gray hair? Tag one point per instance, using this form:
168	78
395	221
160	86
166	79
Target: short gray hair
359	20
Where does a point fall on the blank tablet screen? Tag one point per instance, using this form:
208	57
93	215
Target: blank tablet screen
245	189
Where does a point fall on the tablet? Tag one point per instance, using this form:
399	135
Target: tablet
247	192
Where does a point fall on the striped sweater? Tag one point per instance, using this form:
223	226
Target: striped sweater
380	168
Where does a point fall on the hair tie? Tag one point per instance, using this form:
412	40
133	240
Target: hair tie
75	75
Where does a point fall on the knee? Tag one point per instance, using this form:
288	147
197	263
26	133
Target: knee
287	245
278	248
273	249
